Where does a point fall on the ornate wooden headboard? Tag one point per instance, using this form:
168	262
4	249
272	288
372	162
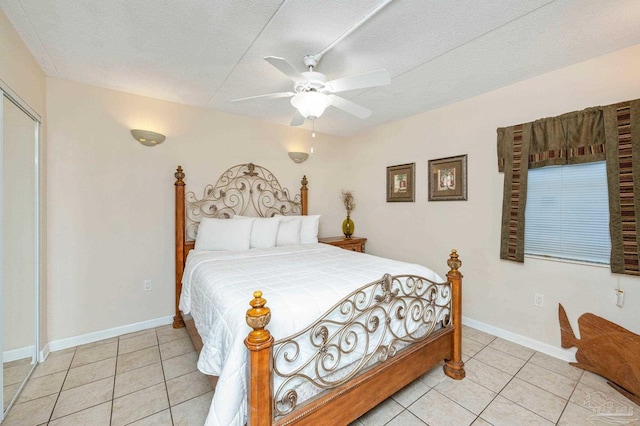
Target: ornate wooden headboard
244	189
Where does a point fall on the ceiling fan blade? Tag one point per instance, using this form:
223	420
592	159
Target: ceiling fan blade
359	81
286	68
298	119
269	96
350	107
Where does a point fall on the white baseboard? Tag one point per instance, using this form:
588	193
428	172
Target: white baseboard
70	342
554	351
44	353
16	354
56	345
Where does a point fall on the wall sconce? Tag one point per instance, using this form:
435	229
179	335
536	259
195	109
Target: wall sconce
298	157
147	138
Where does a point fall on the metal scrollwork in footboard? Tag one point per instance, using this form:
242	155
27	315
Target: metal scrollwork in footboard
245	189
367	327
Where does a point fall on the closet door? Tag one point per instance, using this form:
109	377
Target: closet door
19	245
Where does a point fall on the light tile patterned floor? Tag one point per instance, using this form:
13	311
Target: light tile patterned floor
150	378
14	372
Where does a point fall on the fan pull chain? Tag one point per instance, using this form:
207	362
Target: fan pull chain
313	133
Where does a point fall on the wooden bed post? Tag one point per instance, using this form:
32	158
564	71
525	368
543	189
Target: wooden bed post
178	322
259	342
304	196
454	367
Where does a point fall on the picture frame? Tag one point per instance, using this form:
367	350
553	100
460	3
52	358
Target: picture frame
401	183
448	179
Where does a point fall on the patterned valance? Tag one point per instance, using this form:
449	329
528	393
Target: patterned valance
572	138
610	133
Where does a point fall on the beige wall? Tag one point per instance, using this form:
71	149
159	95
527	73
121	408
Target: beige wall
496	292
20	72
18	69
111	199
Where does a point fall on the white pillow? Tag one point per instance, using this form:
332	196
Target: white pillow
224	234
264	231
309	229
289	231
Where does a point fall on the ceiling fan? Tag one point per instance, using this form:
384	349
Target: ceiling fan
312	93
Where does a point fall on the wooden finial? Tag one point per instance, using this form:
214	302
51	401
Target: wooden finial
453	262
257	318
304	182
179	174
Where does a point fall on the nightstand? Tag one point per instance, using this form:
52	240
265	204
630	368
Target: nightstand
353	243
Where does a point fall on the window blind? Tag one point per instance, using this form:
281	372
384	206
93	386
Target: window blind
567	213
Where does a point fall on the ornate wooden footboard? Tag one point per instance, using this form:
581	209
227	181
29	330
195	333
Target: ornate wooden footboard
373	370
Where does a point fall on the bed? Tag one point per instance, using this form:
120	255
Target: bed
349	329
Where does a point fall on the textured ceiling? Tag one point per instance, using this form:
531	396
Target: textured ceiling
205	53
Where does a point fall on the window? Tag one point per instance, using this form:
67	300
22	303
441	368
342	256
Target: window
567	213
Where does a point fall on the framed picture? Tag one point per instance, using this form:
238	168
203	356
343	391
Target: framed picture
400	183
448	179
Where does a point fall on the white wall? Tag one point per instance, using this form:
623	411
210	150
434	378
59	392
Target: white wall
111	199
496	292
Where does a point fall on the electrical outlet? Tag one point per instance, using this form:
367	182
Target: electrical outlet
538	300
147	285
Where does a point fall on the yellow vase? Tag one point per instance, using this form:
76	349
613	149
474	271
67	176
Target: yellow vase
348	227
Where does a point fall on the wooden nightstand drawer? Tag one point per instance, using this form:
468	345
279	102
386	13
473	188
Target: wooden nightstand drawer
352	244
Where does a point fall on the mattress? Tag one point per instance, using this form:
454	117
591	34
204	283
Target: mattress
300	283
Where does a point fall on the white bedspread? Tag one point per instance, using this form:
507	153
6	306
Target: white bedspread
300	283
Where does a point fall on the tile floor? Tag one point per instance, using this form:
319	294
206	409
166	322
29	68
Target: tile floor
14	373
150	378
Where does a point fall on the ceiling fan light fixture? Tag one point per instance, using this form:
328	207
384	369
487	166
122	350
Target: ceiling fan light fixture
311	104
